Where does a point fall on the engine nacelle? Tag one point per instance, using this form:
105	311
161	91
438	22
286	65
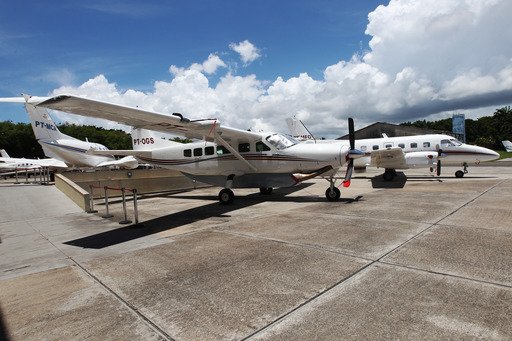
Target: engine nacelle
421	159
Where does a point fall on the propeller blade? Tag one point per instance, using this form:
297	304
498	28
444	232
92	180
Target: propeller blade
348	174
438	167
351	133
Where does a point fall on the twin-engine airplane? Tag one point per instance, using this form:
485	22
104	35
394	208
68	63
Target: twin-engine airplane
404	152
12	163
225	156
62	147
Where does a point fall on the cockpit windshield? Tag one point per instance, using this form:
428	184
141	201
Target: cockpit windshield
450	143
456	142
281	141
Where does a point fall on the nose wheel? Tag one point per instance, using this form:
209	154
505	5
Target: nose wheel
333	194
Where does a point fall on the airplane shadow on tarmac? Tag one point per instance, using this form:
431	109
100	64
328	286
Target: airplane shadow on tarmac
174	220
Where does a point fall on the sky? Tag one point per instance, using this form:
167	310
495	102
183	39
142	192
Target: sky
251	64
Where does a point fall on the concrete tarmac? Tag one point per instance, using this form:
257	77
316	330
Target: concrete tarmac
419	258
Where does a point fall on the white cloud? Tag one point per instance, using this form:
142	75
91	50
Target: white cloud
247	51
209	66
426	58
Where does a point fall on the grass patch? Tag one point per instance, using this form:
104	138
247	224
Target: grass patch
504	154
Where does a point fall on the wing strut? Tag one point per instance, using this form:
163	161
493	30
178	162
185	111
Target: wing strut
233	151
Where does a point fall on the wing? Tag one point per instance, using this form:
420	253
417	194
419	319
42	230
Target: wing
138	118
127	162
388	158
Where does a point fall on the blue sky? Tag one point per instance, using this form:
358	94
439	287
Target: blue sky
313	59
135	42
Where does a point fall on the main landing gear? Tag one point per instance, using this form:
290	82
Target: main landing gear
389	174
226	196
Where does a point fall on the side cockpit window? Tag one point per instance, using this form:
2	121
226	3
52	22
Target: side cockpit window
262	147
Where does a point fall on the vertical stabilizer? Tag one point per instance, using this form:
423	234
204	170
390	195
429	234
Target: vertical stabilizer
4	153
508	145
42	124
143	139
298	129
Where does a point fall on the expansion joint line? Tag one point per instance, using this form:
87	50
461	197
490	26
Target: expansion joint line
128	305
285	315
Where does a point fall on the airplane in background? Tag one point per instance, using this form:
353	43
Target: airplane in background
223	156
68	149
11	163
404	152
508	145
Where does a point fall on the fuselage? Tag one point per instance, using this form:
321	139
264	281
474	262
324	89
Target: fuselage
73	152
454	152
273	154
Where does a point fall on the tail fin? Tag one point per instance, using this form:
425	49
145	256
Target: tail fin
42	123
508	145
143	139
298	129
4	153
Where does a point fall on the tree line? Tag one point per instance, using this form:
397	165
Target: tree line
19	141
487	131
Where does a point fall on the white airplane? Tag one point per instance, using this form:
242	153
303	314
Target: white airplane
406	152
508	145
68	149
11	163
224	156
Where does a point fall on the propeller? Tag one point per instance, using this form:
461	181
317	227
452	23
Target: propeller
352	151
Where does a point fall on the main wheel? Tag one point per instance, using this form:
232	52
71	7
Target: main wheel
333	195
389	174
226	196
459	174
266	190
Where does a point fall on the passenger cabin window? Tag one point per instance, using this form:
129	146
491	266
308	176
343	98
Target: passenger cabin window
262	147
198	151
414	145
210	150
388	145
244	147
401	145
221	150
187	153
426	144
375	147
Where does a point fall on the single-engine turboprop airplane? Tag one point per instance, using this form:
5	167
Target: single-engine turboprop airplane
404	152
62	147
225	157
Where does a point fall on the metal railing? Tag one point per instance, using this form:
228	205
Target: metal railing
123	197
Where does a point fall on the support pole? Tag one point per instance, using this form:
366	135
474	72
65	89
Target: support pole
107	213
91	200
135	207
125	221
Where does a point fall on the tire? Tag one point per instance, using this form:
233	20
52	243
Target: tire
226	196
388	176
266	190
459	174
333	195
